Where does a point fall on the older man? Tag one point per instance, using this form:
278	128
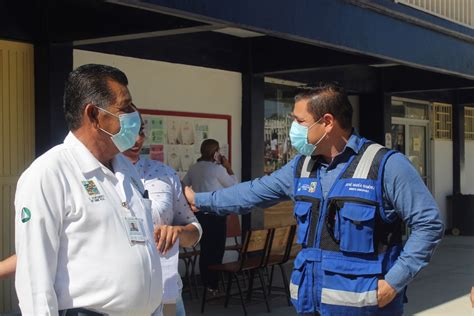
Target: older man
76	206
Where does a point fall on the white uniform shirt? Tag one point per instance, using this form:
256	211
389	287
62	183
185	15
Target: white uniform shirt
207	176
72	246
169	207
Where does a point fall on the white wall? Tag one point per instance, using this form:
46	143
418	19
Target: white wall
175	87
442	173
467	173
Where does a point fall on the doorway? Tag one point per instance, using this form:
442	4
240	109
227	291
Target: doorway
410	137
411	134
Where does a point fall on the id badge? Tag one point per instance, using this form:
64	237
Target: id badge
134	227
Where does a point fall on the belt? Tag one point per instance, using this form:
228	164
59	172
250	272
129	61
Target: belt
78	312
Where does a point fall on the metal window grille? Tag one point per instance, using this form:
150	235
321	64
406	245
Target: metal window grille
442	120
458	11
468	123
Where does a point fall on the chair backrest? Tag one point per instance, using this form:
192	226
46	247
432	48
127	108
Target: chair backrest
289	243
233	226
279	241
294	248
256	246
282	242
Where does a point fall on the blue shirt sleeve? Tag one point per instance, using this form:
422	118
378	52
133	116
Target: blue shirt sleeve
406	195
241	198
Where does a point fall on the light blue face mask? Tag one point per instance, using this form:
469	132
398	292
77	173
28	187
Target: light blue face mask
129	128
299	138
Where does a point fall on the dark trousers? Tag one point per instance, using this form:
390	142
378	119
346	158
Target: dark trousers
78	312
214	229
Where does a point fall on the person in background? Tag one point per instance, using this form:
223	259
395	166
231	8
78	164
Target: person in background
76	253
211	172
172	216
7	267
351	197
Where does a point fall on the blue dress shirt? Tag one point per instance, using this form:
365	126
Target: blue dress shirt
405	195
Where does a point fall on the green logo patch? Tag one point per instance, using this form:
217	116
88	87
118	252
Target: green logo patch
25	215
90	187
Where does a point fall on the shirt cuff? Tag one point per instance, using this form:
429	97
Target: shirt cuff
202	201
398	277
199	228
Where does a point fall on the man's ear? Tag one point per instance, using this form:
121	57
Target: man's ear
328	120
91	114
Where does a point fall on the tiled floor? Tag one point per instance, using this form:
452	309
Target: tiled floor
440	289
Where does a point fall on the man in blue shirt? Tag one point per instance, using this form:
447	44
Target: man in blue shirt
351	196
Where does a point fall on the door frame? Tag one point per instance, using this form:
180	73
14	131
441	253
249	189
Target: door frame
428	153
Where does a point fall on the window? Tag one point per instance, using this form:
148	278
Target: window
468	123
409	108
278	105
442	120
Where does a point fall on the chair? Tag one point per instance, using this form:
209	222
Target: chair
252	257
279	254
233	231
189	257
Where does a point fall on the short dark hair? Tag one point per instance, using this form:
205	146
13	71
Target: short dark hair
327	98
89	84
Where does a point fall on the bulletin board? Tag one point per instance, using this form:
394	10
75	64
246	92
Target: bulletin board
175	138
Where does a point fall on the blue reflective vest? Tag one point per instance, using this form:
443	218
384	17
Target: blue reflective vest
348	242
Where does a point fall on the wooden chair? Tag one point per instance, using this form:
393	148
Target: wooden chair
279	254
233	231
189	257
252	257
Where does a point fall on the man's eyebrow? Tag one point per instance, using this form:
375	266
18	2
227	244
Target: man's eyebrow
295	117
125	104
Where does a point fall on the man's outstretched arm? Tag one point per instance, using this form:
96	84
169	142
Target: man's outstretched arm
242	197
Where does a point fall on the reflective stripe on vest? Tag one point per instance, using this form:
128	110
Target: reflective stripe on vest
307	167
346	298
365	163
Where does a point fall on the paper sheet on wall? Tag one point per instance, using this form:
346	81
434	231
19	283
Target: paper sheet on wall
224	150
169	266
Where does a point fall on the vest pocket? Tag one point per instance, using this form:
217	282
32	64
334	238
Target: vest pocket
301	285
355	227
303	215
349	286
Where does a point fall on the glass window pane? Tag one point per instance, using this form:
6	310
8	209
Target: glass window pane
416	111
398	109
417	149
398	137
278	105
407	109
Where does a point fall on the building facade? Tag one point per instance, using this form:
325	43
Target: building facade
408	66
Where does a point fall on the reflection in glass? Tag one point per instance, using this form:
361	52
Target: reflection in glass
398	137
278	105
417	150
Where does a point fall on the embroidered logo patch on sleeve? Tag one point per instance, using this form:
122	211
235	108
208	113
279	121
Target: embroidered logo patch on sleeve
25	215
93	191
